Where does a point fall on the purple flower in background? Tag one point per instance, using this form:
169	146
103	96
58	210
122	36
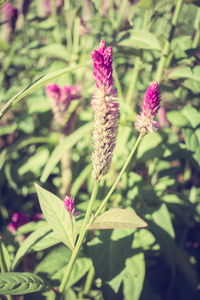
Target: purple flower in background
59	4
145	121
162	118
106	111
60	99
18	219
70	206
9	14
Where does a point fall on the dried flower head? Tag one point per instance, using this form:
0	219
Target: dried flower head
60	99
106	111
145	121
69	205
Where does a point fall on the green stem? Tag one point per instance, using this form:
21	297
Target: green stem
133	79
119	176
79	242
136	65
89	281
166	49
196	27
55	16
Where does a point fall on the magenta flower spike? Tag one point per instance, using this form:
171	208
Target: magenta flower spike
106	111
145	121
70	206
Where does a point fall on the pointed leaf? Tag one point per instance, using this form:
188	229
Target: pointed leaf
57	216
22	283
34	85
118	218
28	243
134	276
139	39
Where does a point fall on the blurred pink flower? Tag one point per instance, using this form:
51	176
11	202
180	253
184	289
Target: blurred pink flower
9	14
60	99
84	29
59	4
19	219
162	118
106	111
145	121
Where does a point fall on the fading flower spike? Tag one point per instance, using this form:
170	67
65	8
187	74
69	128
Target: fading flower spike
145	121
106	111
70	206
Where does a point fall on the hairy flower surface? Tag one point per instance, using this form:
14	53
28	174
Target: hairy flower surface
69	205
106	111
60	99
145	121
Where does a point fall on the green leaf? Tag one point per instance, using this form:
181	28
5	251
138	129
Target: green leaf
134	276
47	241
55	51
6	256
37	83
161	225
118	218
111	248
54	266
22	283
67	143
148	147
186	72
29	242
192	132
57	216
177	118
35	162
139	39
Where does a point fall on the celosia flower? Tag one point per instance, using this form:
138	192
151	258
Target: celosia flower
145	121
60	99
9	14
70	206
106	111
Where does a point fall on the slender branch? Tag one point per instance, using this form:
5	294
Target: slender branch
119	176
79	242
166	49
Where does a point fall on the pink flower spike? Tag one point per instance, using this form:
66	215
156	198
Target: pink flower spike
70	206
145	121
106	111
